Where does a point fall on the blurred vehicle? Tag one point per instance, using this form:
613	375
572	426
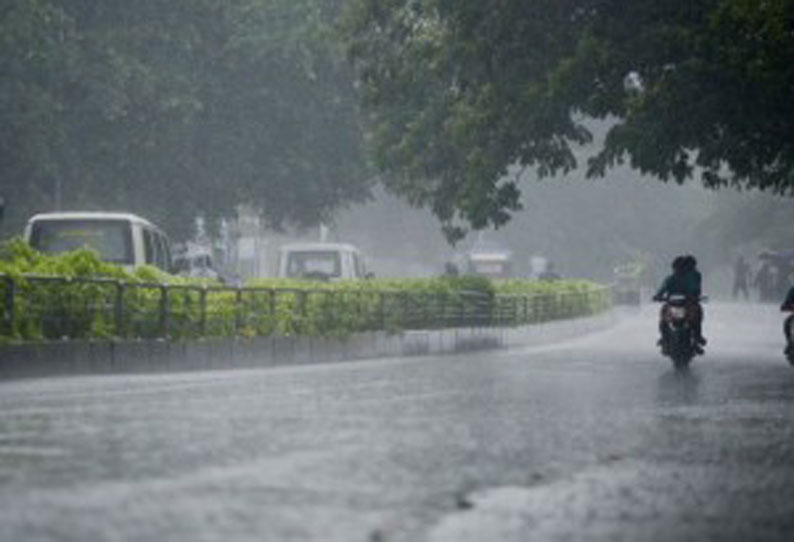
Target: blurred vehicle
194	260
490	260
321	261
121	238
627	284
196	265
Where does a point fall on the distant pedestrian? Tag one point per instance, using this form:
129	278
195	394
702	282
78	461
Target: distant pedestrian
549	274
764	281
741	275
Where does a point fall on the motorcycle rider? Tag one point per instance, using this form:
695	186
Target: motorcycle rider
685	280
788	306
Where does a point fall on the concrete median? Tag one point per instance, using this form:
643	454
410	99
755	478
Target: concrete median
60	358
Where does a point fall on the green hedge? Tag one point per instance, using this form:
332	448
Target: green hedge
77	296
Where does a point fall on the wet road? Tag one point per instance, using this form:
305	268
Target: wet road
595	439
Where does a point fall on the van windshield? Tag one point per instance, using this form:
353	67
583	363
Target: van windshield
317	264
112	239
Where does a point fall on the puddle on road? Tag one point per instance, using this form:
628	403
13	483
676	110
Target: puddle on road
615	502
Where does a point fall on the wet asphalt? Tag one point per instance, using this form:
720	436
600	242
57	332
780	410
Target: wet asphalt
595	439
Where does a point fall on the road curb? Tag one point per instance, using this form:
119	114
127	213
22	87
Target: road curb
61	358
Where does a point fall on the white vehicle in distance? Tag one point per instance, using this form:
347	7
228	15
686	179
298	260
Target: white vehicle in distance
490	261
321	261
195	264
120	238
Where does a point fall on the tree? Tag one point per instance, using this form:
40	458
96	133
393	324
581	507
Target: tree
462	94
177	108
38	64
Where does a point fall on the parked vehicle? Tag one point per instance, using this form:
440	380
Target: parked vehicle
121	238
195	264
679	341
199	263
321	261
627	285
490	260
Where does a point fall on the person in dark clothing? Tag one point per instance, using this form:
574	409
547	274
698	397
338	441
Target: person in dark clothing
693	277
549	274
685	280
788	306
763	281
696	279
741	273
451	270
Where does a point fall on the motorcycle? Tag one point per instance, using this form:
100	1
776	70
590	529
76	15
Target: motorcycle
788	329
679	341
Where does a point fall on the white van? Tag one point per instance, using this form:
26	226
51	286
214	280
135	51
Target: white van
490	261
121	238
321	261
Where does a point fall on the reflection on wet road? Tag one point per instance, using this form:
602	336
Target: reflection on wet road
595	439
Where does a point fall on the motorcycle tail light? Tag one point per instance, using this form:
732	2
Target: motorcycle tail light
677	312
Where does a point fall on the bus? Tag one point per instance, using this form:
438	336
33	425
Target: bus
120	238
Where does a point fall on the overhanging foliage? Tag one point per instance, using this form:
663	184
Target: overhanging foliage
460	92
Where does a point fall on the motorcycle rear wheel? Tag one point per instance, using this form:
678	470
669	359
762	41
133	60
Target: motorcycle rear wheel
681	360
680	349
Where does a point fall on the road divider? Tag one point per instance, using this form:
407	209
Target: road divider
74	313
59	358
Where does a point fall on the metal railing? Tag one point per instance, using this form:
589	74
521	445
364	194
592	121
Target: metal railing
37	307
